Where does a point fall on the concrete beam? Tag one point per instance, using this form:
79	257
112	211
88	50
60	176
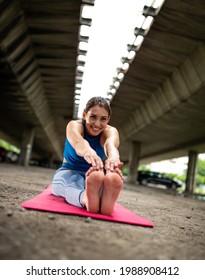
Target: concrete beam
183	83
17	48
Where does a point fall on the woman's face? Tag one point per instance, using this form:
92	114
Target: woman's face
96	120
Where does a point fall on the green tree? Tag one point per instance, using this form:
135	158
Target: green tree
201	167
200	172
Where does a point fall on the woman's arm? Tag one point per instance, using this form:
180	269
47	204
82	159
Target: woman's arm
74	131
111	145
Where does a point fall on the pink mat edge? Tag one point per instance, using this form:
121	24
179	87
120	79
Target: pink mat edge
74	210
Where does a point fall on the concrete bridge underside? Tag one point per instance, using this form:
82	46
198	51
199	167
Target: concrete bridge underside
159	105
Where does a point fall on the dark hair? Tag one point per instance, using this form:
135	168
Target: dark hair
98	101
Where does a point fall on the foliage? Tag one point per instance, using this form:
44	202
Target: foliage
200	172
124	170
8	146
143	167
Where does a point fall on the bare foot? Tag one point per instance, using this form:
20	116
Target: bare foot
94	181
112	187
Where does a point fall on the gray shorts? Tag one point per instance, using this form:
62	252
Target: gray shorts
69	184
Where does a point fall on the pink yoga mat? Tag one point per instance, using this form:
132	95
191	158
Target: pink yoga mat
46	201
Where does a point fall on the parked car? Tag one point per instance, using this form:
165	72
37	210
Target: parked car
8	156
146	177
3	154
12	157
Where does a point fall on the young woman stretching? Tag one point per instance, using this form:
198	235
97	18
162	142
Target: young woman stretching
90	175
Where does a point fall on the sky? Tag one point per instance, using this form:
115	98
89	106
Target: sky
175	165
112	29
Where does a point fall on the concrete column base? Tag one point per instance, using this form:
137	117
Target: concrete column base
133	162
26	145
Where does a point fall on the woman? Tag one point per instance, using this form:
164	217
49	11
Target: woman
85	179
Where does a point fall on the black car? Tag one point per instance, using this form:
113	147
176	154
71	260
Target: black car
3	154
146	177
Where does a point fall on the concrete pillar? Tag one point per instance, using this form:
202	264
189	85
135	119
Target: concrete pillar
26	145
133	162
191	172
50	160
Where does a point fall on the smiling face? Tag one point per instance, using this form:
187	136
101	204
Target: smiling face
96	120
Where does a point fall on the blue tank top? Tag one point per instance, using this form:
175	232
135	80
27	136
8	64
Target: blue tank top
75	162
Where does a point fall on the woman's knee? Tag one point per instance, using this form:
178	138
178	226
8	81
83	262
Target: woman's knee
58	187
55	189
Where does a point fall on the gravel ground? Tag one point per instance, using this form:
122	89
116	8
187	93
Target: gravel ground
179	231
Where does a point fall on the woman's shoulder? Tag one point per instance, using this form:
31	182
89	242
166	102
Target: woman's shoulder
75	125
110	130
110	127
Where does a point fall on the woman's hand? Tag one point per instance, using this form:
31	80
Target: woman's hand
92	158
114	164
111	164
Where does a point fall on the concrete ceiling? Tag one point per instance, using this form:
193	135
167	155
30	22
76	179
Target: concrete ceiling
160	102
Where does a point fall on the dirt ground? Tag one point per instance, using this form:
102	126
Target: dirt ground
179	231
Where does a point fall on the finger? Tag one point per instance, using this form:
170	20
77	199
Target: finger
93	162
97	162
120	164
118	171
112	166
87	158
100	164
107	165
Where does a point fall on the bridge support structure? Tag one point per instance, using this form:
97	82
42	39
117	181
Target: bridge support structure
191	172
133	162
26	145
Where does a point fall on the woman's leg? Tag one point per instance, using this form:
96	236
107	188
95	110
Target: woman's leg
70	185
94	182
111	188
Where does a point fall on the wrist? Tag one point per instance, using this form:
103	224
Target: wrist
114	157
89	152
